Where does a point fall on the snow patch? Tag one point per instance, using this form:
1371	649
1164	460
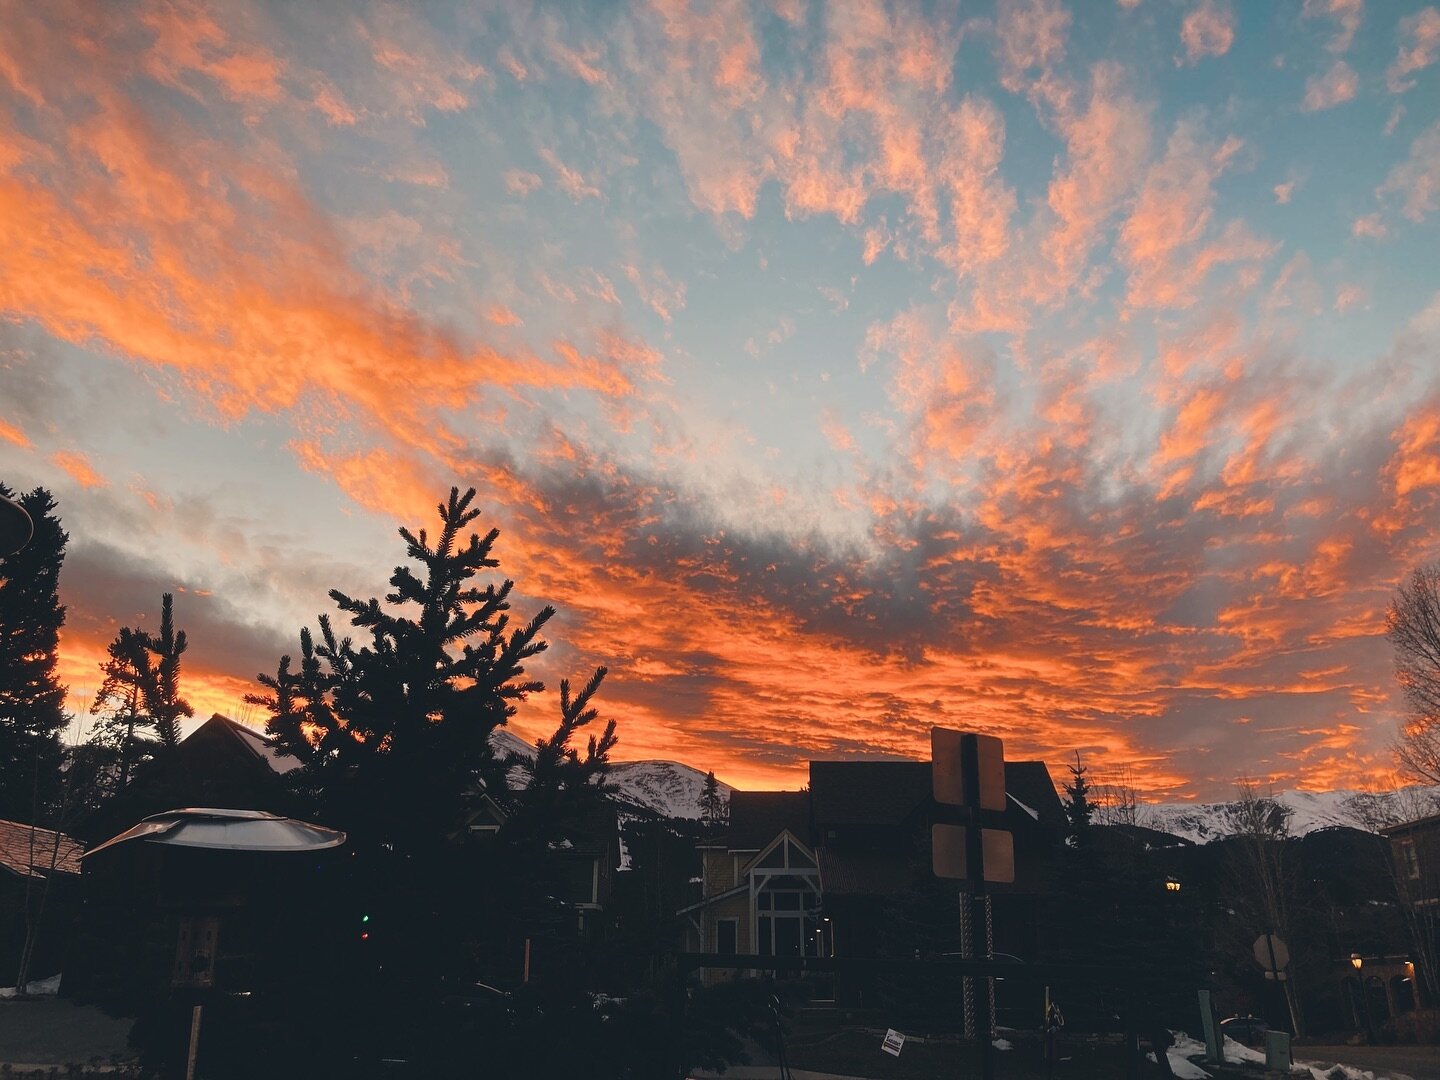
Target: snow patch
1002	1044
35	988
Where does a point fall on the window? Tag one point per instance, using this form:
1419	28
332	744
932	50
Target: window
725	931
1409	859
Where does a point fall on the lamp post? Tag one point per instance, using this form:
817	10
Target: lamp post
1358	964
16	528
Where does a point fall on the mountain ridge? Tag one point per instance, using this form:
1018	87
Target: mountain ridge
672	789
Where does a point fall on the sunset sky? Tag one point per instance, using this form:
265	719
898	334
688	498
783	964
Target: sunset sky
1065	372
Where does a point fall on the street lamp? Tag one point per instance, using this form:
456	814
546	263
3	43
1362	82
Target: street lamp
16	528
1355	960
1357	963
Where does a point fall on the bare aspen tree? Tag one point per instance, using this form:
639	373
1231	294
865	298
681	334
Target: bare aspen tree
1263	872
1413	626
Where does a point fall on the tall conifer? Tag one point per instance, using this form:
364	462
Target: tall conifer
32	700
394	733
1078	807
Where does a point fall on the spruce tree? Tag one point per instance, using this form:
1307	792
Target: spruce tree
32	700
394	734
163	700
141	691
125	734
1078	808
713	811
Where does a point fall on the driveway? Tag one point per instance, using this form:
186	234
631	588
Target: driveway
51	1031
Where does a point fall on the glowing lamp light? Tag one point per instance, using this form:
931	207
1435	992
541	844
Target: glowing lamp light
1172	886
1355	960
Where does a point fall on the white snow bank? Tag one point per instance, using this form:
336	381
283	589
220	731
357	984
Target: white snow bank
1319	1070
36	988
1180	1054
1002	1044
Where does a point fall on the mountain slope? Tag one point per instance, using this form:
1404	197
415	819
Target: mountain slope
662	788
1309	811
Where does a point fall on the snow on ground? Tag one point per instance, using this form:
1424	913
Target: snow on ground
1316	1070
1187	1054
1002	1044
36	988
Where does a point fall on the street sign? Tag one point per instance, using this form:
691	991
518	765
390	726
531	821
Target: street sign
948	777
947	843
893	1043
1272	955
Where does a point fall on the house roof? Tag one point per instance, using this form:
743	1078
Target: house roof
1418	825
256	743
26	850
889	792
757	817
1029	783
867	792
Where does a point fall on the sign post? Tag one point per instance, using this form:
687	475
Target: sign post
968	773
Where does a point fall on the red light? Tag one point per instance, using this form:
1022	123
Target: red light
365	936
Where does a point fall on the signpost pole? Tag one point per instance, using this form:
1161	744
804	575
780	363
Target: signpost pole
975	864
194	1043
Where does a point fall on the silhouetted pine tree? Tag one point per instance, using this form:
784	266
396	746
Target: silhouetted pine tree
125	735
714	811
32	700
163	700
1078	808
394	734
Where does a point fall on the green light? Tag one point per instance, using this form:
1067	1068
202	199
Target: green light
364	918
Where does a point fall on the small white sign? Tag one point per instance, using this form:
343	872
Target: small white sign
893	1042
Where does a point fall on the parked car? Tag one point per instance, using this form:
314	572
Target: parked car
1249	1030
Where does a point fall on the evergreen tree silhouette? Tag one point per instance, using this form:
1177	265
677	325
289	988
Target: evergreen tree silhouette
141	690
394	734
32	700
1078	807
125	734
714	811
163	699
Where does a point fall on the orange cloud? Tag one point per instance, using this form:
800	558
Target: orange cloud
1207	30
12	433
79	469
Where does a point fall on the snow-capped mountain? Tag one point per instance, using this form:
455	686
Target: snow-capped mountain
670	789
1309	811
664	788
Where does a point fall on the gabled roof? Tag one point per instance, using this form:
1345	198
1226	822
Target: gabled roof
26	851
1030	783
255	743
757	817
890	792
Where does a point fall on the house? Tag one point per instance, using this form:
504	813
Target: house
39	870
222	764
1415	849
822	872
